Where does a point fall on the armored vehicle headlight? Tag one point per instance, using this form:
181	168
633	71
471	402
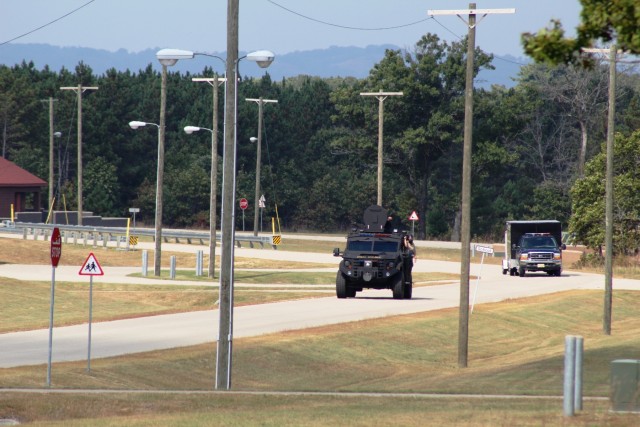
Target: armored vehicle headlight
524	257
557	256
390	265
347	263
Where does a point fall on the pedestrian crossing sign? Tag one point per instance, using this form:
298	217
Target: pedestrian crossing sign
91	267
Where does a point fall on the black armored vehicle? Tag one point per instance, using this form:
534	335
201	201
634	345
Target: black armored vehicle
374	258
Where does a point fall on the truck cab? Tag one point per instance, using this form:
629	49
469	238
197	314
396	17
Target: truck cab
539	252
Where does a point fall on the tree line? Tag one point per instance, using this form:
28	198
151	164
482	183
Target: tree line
537	146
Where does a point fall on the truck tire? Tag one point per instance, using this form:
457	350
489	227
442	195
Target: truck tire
398	286
408	290
341	286
521	272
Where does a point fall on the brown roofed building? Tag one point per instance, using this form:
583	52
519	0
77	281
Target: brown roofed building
18	188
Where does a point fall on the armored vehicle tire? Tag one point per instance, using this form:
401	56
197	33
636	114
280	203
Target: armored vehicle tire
398	287
512	272
521	272
351	292
408	290
341	286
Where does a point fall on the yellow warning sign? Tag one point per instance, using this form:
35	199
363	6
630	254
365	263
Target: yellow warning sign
133	240
277	239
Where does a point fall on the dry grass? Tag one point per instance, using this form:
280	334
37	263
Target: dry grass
36	252
515	347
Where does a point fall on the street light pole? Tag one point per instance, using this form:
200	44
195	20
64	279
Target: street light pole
80	90
227	223
260	102
223	358
381	96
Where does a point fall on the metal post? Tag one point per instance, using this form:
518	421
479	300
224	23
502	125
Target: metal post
53	293
145	262
577	394
172	272
90	321
569	375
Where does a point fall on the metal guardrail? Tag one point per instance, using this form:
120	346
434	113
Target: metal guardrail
118	234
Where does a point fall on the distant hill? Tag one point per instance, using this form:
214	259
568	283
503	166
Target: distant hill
332	62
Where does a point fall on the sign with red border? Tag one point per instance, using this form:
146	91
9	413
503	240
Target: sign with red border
56	247
244	204
91	267
414	216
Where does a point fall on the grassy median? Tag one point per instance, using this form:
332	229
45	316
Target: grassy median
515	348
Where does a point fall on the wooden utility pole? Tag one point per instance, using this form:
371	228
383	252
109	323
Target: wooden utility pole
214	82
381	96
79	90
608	236
256	209
465	224
51	138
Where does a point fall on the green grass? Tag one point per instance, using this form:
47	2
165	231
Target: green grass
515	347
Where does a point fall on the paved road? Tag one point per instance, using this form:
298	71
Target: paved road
176	330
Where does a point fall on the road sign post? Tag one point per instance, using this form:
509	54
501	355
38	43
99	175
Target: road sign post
244	204
483	250
91	267
56	253
413	218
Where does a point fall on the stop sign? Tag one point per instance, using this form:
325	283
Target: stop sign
244	204
56	247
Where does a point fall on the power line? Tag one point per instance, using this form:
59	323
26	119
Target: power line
346	26
48	23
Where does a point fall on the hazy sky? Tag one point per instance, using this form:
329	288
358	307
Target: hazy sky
200	25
